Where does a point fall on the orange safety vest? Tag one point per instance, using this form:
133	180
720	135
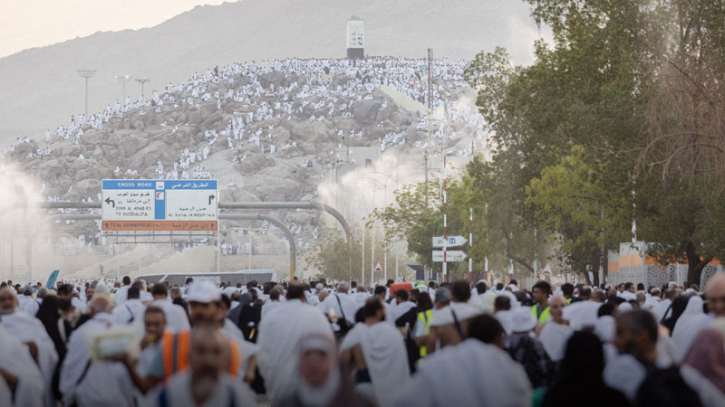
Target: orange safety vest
175	348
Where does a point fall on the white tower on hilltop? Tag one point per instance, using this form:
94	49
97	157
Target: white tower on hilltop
355	38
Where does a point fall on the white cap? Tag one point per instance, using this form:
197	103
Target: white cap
203	292
582	314
317	342
605	328
102	288
522	320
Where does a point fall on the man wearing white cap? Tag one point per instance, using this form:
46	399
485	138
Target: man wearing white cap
279	335
172	356
528	350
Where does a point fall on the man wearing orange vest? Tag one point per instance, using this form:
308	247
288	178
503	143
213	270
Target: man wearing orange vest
205	382
173	354
204	304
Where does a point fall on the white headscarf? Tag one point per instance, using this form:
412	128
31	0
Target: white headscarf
471	373
319	396
554	337
625	374
505	318
688	325
605	328
279	336
582	314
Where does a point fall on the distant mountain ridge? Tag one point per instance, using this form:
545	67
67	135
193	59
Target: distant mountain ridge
41	88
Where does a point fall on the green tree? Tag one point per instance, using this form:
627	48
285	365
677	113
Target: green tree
501	232
496	190
335	257
340	260
409	219
570	202
681	161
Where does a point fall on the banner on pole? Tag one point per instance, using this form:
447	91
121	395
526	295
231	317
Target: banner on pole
52	279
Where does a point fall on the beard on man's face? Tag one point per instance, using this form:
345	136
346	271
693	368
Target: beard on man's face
204	381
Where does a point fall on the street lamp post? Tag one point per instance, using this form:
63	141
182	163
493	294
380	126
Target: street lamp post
385	200
86	73
362	273
123	79
142	81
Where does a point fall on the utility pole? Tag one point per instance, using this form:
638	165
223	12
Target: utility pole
142	81
445	220
362	274
372	258
123	79
470	245
430	118
385	262
86	73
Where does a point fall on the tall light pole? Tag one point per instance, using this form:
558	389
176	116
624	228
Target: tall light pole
123	79
142	81
86	73
430	117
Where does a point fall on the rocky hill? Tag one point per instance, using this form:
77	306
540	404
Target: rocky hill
268	132
40	87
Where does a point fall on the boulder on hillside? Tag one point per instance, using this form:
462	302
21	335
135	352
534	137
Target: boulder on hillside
255	162
132	143
365	111
89	187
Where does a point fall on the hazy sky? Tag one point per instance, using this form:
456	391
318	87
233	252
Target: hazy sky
36	23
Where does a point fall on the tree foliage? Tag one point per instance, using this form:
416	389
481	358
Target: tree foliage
573	206
625	88
340	260
620	119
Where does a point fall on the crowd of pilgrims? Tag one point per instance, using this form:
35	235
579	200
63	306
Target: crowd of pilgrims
311	89
318	344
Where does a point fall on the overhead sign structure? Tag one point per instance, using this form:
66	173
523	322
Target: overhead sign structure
378	268
451	241
451	256
160	205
